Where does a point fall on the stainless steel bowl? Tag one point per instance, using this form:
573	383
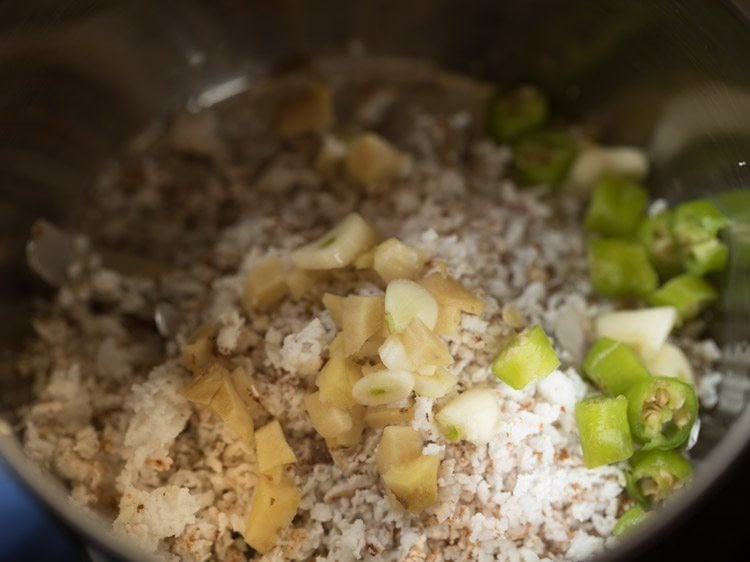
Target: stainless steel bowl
82	77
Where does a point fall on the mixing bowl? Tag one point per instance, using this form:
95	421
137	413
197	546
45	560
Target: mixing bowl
80	78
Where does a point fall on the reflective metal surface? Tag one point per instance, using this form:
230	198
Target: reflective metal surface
82	77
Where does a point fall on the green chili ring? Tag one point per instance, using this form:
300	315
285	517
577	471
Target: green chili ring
661	412
656	475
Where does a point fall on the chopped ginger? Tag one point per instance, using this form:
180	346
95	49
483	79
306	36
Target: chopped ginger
327	419
333	304
265	284
310	111
437	385
272	448
272	510
336	380
380	416
198	352
372	161
354	435
365	260
449	292
361	317
216	390
300	282
449	319
369	350
414	482
244	384
425	347
393	259
398	445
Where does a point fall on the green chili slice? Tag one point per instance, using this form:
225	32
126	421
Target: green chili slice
620	268
616	207
516	113
706	257
696	228
661	411
543	158
629	520
688	294
655	476
526	357
613	366
656	235
603	430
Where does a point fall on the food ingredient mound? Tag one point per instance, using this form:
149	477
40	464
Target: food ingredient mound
218	196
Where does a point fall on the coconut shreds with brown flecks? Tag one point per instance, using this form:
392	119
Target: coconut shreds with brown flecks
212	198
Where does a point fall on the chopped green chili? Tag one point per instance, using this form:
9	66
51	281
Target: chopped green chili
543	158
620	268
603	430
661	411
629	520
697	220
616	207
527	356
655	233
516	113
688	294
706	257
696	227
613	366
656	475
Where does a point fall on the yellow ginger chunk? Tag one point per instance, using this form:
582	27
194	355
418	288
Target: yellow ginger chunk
300	282
398	445
335	381
273	507
245	386
310	111
372	161
425	347
333	304
361	317
328	420
414	482
381	416
336	347
395	260
369	349
437	385
265	284
453	299
365	260
449	319
272	448
353	436
216	390
199	351
449	292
